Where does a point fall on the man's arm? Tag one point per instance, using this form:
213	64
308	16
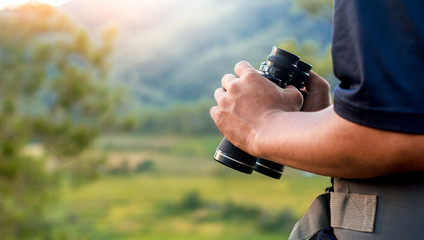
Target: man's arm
263	120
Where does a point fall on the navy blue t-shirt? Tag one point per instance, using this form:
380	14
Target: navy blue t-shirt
378	55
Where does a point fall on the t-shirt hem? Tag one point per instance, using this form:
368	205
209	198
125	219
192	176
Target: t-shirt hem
390	121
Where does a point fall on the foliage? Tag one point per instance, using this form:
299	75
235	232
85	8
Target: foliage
182	57
186	119
124	168
318	8
53	95
190	207
280	221
187	195
313	53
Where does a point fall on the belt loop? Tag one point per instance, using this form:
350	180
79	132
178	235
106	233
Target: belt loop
353	211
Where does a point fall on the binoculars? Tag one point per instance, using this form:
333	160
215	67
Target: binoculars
282	68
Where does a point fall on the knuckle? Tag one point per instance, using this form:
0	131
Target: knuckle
322	84
216	115
294	94
326	86
212	111
218	95
251	73
241	63
233	87
226	78
319	84
215	94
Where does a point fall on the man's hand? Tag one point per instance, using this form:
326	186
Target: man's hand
263	120
245	103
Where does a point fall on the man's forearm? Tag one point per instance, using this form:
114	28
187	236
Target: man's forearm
262	119
326	144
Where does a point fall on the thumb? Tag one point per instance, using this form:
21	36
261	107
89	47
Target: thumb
316	83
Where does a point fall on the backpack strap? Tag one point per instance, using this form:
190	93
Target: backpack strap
349	211
316	218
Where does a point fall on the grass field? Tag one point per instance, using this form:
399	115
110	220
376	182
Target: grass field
184	194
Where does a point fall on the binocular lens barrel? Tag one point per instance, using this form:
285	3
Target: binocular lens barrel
282	60
282	68
300	75
233	157
269	168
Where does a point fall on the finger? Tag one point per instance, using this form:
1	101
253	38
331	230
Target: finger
291	87
213	111
313	77
292	90
226	79
216	115
315	82
219	94
242	68
294	94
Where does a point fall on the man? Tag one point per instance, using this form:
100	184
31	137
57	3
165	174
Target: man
371	140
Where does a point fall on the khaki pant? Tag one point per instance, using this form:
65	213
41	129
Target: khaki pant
384	208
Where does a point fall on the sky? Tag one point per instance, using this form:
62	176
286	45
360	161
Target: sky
6	3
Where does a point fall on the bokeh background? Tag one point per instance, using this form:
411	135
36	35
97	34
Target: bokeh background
104	118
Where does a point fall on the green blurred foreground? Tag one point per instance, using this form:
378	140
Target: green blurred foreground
171	188
62	178
53	95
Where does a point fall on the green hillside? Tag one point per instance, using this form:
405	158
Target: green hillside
171	51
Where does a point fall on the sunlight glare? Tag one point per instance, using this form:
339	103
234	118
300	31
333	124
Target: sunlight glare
13	3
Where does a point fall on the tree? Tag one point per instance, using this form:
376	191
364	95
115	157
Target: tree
53	92
318	8
310	51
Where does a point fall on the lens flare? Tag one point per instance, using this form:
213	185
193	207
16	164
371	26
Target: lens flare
14	3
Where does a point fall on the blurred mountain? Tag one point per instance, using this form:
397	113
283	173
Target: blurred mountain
171	51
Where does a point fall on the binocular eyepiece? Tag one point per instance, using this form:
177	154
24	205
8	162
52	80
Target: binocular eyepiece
282	68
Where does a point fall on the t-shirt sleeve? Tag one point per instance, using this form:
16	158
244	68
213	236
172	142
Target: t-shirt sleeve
378	55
